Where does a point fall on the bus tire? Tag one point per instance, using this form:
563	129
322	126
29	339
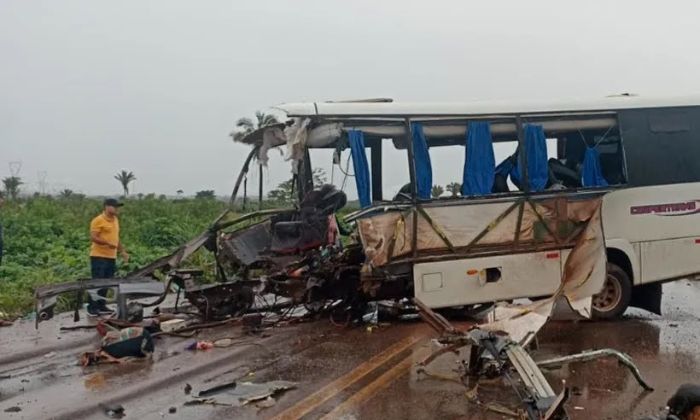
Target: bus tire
616	295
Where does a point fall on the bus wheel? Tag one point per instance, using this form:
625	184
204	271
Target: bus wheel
613	300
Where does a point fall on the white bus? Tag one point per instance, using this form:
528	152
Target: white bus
640	156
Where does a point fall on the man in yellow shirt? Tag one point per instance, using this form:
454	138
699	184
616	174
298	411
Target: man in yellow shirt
104	246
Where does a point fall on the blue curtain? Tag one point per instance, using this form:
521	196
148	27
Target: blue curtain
536	149
424	171
479	161
356	139
592	174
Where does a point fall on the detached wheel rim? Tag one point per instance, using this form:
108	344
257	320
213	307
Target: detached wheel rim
610	296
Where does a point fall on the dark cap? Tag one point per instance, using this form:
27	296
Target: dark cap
112	202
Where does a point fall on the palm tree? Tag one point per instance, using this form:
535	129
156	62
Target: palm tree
66	193
437	191
245	126
125	179
12	184
454	188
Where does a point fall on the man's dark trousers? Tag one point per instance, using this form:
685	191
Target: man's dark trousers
101	268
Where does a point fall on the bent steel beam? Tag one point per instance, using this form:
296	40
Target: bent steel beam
589	355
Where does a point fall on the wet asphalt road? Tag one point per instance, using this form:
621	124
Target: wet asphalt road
348	374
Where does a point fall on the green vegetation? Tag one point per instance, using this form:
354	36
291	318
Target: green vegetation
46	239
12	184
437	191
454	188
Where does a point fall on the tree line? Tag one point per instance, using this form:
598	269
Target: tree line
12	188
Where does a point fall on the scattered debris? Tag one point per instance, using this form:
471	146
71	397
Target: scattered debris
223	342
241	393
113	411
13	409
50	355
494	352
597	354
188	389
266	403
172	410
200	345
499	409
216	389
4	323
172	325
206	401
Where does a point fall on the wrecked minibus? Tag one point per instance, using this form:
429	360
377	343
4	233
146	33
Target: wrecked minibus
599	194
501	240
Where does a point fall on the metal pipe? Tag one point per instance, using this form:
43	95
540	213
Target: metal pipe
260	187
242	175
589	355
245	191
414	186
456	130
522	155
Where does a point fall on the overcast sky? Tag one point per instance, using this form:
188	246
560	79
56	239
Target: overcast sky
89	88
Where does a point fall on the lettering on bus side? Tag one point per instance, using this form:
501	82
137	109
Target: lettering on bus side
670	209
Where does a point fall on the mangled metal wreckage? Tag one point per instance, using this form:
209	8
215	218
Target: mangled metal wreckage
485	246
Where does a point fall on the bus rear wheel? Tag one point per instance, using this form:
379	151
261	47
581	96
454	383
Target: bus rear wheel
615	297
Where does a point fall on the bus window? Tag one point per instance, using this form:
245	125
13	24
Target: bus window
566	165
447	162
503	150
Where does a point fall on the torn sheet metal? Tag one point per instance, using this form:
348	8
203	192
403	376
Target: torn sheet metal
296	135
583	276
242	393
300	136
556	222
463	232
519	322
499	347
272	137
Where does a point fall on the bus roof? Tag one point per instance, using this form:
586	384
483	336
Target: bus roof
387	108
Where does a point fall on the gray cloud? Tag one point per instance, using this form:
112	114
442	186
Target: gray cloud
88	88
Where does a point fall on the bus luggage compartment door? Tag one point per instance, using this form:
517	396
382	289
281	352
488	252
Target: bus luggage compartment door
487	279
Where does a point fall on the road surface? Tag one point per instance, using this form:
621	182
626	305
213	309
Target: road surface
344	373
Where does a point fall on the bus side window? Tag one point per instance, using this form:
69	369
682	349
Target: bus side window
612	160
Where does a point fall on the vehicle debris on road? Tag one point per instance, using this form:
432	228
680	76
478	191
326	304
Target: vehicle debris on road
238	394
114	411
495	352
277	266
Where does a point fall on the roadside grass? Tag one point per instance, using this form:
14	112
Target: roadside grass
47	239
